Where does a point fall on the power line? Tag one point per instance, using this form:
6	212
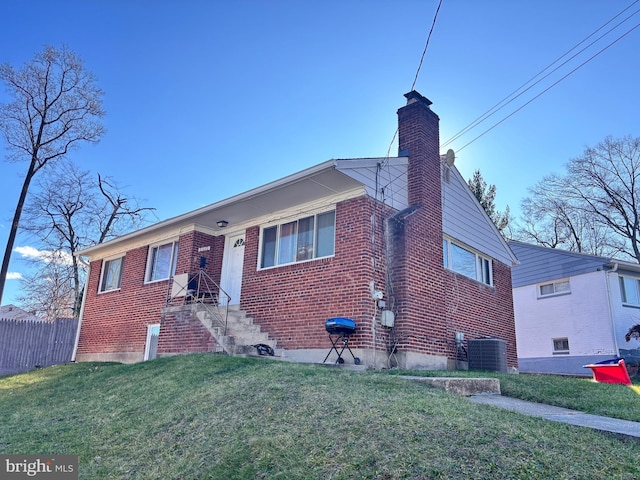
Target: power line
551	86
433	24
508	99
415	79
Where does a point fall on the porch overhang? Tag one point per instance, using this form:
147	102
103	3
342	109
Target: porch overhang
305	187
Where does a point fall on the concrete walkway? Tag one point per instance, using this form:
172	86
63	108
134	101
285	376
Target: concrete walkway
559	414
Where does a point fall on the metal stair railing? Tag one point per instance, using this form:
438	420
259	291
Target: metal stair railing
199	288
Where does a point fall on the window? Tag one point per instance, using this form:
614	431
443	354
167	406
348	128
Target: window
162	261
111	275
629	290
554	288
560	345
466	262
303	239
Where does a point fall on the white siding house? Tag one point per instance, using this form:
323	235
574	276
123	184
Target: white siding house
570	309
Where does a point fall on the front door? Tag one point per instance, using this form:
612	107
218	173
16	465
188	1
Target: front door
232	262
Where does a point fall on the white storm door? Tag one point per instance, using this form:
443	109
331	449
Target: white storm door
232	262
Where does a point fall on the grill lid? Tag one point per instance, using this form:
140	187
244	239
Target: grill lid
340	325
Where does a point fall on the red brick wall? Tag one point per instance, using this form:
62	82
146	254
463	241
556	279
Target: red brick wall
480	311
182	332
116	322
292	302
189	256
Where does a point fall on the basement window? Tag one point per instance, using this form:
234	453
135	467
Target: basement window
560	346
559	287
298	241
466	262
162	261
111	275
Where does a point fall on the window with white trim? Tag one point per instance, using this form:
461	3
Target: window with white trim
630	290
559	287
466	262
111	275
560	345
297	241
161	263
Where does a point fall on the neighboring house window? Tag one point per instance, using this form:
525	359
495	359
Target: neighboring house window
554	288
630	290
560	345
303	239
111	275
162	261
466	262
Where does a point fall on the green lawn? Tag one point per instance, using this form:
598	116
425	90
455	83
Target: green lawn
576	393
216	417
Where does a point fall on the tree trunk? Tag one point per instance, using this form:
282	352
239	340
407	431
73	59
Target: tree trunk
14	226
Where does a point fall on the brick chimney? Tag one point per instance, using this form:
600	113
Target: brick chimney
419	139
417	269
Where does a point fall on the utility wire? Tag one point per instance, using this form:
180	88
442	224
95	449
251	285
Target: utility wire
501	104
433	24
415	79
551	86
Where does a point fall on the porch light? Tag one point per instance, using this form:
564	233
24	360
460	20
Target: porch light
222	223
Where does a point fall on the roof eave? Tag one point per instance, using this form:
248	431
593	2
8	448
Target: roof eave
194	214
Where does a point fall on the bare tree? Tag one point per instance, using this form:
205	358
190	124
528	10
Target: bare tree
605	182
553	219
49	291
55	106
72	210
486	195
593	207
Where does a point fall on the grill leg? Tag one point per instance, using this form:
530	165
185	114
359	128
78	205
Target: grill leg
334	347
345	346
345	339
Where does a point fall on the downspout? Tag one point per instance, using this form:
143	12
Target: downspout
611	317
84	299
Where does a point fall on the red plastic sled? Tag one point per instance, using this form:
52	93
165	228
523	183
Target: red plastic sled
610	371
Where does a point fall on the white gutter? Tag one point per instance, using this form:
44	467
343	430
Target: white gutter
84	299
611	315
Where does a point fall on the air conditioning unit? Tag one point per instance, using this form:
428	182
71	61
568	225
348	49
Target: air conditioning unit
487	354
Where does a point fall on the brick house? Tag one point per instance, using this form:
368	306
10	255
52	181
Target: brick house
277	261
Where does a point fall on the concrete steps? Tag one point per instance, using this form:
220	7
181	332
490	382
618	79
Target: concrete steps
241	334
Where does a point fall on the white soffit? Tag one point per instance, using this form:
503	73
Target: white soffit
308	186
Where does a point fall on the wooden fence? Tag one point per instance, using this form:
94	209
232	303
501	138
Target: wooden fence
29	344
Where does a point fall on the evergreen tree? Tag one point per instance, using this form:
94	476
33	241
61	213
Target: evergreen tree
486	195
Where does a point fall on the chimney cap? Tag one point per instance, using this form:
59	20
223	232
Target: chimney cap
413	96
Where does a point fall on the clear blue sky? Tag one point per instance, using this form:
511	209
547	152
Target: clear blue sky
207	99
